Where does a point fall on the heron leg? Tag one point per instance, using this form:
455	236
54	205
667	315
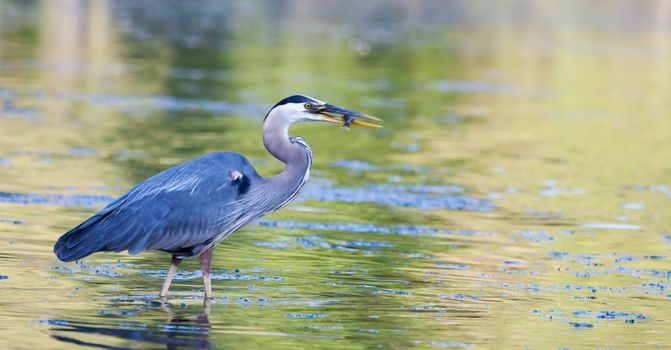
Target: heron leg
203	319
174	263
206	266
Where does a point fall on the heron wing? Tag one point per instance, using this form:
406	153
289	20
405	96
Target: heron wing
177	210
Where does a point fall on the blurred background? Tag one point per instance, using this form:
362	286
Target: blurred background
518	196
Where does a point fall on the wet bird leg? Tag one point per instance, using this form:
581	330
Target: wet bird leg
174	263
206	266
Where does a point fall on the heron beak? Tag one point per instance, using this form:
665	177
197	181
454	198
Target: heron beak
334	114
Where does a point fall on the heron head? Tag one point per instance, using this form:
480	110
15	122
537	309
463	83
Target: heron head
301	108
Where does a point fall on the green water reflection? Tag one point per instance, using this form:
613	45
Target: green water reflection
560	120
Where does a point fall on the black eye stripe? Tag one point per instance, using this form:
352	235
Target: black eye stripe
292	99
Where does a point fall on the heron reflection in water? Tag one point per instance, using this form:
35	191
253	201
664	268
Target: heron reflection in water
187	209
180	330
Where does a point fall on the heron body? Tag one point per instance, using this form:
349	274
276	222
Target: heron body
187	209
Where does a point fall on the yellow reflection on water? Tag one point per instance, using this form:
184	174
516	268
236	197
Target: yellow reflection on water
562	123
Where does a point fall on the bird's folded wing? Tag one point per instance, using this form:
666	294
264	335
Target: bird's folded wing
180	208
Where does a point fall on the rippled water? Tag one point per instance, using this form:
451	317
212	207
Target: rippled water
518	196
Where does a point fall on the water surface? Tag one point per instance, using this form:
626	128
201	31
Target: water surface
518	196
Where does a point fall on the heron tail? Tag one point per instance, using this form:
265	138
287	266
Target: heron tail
81	241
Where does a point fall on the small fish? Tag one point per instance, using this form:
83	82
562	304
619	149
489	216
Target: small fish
348	120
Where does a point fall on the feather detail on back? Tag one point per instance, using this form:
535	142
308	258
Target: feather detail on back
178	210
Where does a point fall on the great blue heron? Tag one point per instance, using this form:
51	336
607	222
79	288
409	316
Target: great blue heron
189	208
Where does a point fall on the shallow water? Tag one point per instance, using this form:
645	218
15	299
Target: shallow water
518	196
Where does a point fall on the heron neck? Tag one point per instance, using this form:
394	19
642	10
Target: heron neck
294	153
277	141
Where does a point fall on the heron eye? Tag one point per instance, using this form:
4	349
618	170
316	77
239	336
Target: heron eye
308	106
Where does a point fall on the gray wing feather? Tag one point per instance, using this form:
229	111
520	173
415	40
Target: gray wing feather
180	210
